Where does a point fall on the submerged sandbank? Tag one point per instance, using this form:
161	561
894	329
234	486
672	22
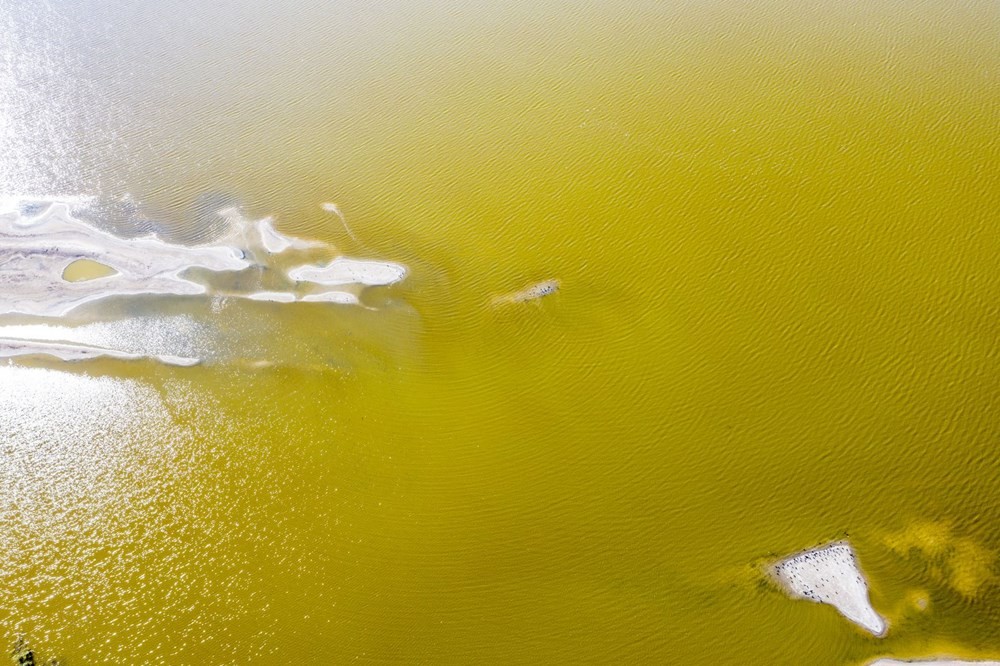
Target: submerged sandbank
532	292
71	351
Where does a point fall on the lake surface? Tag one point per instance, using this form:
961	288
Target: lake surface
775	232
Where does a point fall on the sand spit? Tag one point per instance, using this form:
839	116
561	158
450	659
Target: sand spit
276	242
70	351
830	575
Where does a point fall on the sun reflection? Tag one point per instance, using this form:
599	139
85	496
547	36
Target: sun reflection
65	441
40	118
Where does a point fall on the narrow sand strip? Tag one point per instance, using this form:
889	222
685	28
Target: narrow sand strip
342	297
272	296
343	270
69	351
938	662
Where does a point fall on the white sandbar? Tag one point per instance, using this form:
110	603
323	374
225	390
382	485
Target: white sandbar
331	297
938	662
71	351
273	296
532	292
343	270
830	575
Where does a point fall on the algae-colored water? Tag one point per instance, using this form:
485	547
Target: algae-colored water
775	231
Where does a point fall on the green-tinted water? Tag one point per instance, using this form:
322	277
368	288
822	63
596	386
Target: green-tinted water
775	230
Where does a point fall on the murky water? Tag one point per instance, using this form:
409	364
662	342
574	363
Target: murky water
691	285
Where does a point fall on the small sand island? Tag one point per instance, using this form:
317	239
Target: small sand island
830	575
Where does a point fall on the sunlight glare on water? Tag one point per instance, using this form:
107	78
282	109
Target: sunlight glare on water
659	292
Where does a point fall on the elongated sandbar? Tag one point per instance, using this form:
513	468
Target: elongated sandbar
937	662
71	351
344	270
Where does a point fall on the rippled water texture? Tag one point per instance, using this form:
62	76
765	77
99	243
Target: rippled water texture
665	292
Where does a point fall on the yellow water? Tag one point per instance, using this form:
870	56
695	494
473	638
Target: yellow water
82	270
775	229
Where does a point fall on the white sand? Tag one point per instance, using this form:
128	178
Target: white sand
34	253
69	351
276	242
938	662
530	293
830	575
343	270
273	296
